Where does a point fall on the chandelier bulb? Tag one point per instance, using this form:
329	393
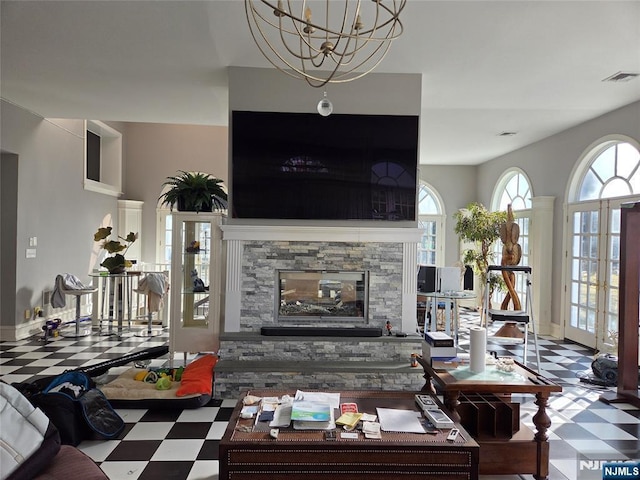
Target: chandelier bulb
325	107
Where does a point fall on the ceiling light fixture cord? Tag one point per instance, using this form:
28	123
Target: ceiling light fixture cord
353	40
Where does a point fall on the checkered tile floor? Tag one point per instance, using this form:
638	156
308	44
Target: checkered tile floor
184	444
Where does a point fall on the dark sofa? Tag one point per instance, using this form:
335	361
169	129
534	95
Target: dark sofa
72	464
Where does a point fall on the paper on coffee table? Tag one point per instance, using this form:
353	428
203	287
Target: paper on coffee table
394	420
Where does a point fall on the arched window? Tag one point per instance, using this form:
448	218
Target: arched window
513	188
614	172
607	175
431	221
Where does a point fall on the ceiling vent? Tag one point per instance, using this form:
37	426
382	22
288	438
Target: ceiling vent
507	134
621	77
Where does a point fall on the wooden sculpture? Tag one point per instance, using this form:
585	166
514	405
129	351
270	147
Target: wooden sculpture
511	255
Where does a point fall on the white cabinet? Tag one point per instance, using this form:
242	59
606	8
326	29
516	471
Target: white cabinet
130	220
196	282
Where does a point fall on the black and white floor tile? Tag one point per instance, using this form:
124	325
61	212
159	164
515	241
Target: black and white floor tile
183	445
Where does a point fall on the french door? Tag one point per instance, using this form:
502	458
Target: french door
593	266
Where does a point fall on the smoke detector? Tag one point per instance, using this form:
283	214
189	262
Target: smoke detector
621	77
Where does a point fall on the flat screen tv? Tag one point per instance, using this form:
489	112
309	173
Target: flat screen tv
308	167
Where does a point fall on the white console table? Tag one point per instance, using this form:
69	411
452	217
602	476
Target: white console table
115	301
451	315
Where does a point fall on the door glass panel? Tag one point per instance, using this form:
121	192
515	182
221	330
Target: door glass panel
591	324
613	272
584	271
573	317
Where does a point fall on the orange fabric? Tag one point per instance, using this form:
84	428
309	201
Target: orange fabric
197	377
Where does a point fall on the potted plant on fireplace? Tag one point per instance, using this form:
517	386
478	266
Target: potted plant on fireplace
194	192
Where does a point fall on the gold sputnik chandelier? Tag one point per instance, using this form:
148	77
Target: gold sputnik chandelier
324	41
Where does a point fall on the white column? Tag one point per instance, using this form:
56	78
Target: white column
233	294
409	286
540	248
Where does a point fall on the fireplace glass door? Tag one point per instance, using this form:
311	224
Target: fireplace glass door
312	297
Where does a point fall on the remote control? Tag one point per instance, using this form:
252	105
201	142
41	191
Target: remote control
453	434
439	419
425	402
429	428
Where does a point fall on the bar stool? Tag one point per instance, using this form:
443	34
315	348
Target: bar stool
149	331
154	286
77	293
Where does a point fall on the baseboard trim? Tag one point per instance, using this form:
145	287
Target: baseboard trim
13	333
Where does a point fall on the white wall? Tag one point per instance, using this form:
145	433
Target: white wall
52	205
268	90
457	187
549	164
156	151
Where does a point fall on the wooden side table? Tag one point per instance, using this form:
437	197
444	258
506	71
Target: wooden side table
526	452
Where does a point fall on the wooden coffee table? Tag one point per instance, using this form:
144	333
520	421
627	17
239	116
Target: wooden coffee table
524	452
248	452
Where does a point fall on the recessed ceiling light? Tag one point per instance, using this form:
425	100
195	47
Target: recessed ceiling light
621	77
507	134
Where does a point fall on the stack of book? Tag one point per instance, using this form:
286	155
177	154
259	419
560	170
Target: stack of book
312	415
438	346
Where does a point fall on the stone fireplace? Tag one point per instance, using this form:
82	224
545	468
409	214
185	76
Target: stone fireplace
314	270
255	255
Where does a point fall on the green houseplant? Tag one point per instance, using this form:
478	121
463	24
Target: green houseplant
194	192
116	263
477	225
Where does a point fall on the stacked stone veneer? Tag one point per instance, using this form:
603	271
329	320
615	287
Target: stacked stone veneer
249	361
230	384
261	261
248	347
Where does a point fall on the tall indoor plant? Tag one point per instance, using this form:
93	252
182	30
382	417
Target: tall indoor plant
480	227
194	192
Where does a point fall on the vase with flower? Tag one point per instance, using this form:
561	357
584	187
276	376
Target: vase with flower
118	248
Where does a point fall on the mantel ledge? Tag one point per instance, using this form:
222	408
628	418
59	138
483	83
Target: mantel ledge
321	233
